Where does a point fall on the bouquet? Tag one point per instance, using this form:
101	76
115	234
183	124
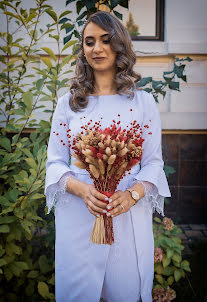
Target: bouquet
107	154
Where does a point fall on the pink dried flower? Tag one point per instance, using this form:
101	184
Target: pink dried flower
158	294
170	294
168	224
158	255
162	295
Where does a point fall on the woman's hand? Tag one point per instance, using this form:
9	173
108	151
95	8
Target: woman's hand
94	200
121	203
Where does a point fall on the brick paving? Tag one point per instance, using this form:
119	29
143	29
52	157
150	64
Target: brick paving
190	233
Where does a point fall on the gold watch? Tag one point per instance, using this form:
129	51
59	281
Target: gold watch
134	194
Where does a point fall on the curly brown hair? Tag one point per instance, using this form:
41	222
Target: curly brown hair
120	41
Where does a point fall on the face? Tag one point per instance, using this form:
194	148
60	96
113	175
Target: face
97	49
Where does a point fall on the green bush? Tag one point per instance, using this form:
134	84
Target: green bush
27	233
169	266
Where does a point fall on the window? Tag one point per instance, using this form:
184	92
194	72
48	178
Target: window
144	20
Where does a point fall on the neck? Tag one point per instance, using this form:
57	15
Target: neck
104	82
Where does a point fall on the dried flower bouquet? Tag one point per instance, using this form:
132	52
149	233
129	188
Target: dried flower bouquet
107	154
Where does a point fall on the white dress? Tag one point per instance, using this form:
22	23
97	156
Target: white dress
124	271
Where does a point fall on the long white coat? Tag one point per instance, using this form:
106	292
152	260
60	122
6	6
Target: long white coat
79	264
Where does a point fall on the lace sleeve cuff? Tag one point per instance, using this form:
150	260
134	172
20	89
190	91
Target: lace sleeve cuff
55	190
152	200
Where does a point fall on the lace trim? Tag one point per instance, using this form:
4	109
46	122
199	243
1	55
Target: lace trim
55	190
152	200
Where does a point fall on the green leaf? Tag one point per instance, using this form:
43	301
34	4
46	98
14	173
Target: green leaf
177	258
33	274
168	271
47	61
5	143
29	290
159	278
65	13
177	275
144	82
52	14
174	85
17	267
3	262
18	213
28	100
66	60
37	196
39	84
68	44
67	38
69	1
185	265
117	14
43	289
157	220
4	228
7	219
63	20
166	261
158	267
12	248
79	6
31	162
43	263
26	225
13	15
50	53
170	280
8	274
170	253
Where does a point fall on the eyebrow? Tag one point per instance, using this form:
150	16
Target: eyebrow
91	37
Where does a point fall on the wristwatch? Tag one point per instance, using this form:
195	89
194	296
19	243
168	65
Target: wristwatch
135	195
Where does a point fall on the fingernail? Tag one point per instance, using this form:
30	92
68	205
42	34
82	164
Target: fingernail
98	215
110	200
108	214
108	207
104	211
106	198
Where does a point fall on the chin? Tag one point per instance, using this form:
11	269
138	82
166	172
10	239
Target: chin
102	68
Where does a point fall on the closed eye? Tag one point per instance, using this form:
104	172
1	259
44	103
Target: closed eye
106	41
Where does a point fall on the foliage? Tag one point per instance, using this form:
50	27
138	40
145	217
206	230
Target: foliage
84	9
172	267
170	79
28	80
132	28
31	77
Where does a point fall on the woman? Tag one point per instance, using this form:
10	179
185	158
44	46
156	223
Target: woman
104	86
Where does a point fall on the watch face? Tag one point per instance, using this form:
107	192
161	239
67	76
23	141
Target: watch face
135	195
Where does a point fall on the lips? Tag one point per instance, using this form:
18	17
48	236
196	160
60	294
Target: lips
99	58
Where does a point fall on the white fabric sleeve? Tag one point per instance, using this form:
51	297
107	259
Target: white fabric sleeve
151	199
55	191
57	164
152	162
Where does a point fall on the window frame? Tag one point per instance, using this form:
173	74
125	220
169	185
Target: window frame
159	35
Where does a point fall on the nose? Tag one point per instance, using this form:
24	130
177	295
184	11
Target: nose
98	47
